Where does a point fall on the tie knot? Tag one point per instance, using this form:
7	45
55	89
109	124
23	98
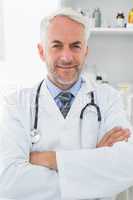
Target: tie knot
65	97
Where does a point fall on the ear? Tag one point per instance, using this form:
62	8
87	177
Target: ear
41	51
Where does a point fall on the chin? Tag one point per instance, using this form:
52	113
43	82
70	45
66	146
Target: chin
66	83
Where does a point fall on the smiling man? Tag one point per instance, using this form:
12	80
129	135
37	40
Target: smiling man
67	137
65	52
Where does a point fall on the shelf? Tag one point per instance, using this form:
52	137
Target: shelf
104	31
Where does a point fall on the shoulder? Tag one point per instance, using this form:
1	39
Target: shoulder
17	106
103	91
19	98
107	96
106	92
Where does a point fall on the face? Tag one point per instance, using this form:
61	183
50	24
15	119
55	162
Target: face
65	51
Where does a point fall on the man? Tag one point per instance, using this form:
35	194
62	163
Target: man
79	155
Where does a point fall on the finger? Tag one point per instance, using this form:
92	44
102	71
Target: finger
117	128
111	140
119	133
127	131
122	131
121	138
124	134
106	137
109	133
113	134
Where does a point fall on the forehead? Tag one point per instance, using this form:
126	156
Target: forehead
62	28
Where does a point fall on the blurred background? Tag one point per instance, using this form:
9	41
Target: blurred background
111	45
20	64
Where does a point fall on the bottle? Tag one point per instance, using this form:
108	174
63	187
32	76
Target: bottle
130	16
120	20
83	12
97	16
99	79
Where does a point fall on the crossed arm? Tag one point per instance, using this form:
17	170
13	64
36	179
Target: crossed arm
48	158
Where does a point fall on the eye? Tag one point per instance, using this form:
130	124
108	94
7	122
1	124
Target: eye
57	46
77	46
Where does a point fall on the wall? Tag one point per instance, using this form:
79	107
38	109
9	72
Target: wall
22	65
1	32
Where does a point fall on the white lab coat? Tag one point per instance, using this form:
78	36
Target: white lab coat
84	171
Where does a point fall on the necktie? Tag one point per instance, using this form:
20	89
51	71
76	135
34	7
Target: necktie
65	102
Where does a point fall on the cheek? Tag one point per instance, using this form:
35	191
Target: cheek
83	58
53	56
80	59
51	59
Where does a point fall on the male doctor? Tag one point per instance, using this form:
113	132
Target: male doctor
79	151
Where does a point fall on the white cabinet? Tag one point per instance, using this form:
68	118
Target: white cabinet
110	48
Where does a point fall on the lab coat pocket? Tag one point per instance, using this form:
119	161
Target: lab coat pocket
89	128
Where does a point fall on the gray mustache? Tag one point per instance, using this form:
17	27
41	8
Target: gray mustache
65	63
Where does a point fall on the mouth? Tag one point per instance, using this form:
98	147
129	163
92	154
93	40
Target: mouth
67	67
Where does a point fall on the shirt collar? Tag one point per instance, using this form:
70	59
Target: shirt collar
54	90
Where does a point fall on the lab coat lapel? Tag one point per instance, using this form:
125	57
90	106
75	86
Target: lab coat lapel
47	103
87	128
81	99
63	133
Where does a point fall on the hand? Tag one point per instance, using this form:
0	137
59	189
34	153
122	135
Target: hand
114	135
46	159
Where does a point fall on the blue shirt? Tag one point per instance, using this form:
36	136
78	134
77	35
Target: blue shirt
54	90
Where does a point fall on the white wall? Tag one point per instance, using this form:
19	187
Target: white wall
22	65
1	33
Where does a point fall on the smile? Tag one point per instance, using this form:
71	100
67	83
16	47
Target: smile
64	67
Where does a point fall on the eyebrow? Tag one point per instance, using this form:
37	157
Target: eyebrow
56	41
74	43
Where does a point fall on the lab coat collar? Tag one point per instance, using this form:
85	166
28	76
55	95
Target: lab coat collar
85	78
54	90
82	98
90	83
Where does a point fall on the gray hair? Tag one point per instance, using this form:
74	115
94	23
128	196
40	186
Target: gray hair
68	12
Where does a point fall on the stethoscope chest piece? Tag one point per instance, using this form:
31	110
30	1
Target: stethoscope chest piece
35	136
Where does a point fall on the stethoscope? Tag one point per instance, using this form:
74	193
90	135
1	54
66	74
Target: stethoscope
35	135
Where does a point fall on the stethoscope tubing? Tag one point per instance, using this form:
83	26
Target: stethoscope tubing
92	103
37	105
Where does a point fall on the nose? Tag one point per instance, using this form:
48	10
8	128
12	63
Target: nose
66	56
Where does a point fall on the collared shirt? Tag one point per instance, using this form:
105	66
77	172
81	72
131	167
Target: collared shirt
54	90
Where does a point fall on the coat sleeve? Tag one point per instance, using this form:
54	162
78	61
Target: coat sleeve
18	178
100	172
